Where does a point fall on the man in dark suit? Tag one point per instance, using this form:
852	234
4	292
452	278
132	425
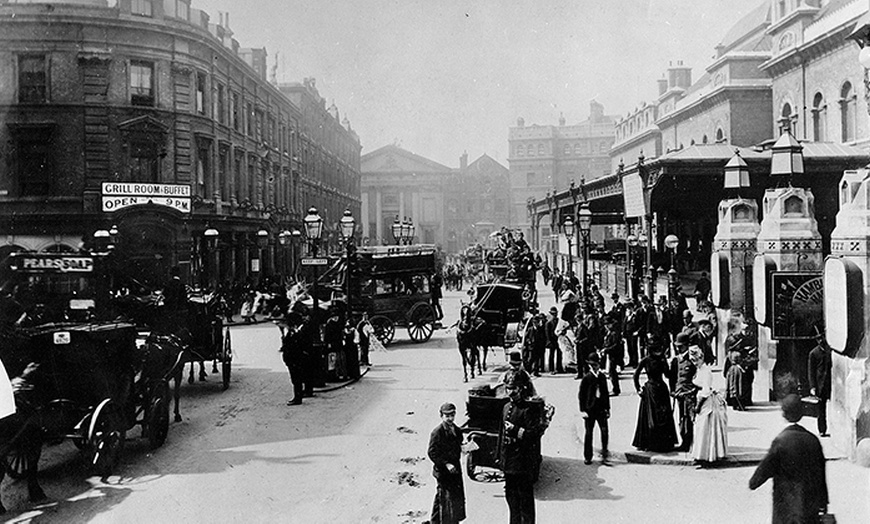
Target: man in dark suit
518	441
796	463
613	351
819	370
553	342
445	448
594	402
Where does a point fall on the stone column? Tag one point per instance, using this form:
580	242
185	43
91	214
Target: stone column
379	222
789	241
847	310
731	264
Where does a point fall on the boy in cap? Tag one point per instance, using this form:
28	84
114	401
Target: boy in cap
445	449
594	403
796	463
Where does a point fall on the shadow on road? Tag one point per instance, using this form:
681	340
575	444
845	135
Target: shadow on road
570	479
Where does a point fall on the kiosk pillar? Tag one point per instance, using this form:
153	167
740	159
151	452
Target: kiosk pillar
847	311
787	289
731	264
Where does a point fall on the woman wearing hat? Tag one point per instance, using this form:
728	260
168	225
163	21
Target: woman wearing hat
655	419
445	449
710	441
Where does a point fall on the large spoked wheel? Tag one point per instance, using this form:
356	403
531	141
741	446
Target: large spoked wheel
384	329
227	360
421	322
20	460
106	437
157	416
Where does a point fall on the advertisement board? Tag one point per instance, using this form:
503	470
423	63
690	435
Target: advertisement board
797	304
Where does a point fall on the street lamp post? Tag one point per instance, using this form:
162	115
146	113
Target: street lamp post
643	242
347	225
263	244
568	229
396	230
631	241
584	219
671	242
285	239
313	223
210	236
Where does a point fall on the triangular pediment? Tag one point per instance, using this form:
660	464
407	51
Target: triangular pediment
393	159
143	124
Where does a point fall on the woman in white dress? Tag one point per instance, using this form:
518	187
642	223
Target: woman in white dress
565	339
710	441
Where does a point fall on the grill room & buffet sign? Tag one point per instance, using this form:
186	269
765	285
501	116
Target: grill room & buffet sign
120	195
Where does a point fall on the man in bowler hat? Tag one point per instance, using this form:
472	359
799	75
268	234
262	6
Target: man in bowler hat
445	449
594	402
518	439
819	371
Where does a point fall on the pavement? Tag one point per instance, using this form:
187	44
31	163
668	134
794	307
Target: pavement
750	432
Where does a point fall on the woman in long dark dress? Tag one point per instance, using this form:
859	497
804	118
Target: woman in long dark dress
655	419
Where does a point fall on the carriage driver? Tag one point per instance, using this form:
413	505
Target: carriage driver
518	377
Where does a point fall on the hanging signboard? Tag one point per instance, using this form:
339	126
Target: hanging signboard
120	195
632	195
797	304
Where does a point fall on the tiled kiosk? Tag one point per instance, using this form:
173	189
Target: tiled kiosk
846	309
787	289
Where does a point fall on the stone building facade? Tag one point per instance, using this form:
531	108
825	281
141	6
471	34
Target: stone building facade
154	95
544	158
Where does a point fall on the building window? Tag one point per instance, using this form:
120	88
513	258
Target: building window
252	179
237	174
540	149
567	149
819	115
704	139
182	10
203	169
33	166
258	125
142	8
250	120
223	171
141	83
577	150
848	112
32	79
200	93
221	105
531	150
720	136
144	164
787	119
234	108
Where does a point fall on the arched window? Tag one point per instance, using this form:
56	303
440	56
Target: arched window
848	108
567	149
531	150
521	150
577	150
720	136
787	120
540	149
692	142
819	116
794	206
704	139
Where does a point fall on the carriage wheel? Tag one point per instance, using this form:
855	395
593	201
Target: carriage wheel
19	460
157	417
384	328
106	438
470	466
421	322
227	360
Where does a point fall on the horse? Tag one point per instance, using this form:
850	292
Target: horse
21	436
162	358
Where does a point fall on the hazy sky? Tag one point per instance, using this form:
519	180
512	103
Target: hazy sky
438	77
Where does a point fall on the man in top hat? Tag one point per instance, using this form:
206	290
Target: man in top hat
796	462
613	352
445	449
595	406
819	371
555	359
518	375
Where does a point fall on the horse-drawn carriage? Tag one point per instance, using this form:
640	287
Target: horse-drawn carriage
484	412
502	307
392	285
80	374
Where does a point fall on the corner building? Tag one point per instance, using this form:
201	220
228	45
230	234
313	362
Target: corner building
153	92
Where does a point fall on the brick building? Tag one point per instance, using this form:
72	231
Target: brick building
152	96
543	158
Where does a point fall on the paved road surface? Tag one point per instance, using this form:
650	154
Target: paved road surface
357	455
